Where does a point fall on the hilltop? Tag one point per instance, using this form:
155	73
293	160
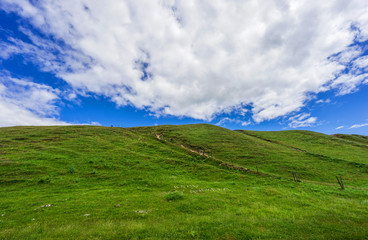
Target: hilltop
181	182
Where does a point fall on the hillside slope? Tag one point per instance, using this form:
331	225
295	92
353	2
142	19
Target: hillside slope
352	148
177	182
312	156
361	140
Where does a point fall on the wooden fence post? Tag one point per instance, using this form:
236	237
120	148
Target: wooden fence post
341	183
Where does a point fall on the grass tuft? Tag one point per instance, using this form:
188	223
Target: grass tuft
71	169
173	196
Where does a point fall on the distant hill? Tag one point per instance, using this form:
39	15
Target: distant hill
181	182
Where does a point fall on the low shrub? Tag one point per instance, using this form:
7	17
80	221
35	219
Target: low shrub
44	180
72	169
173	196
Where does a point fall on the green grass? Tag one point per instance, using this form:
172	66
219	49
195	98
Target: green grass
180	182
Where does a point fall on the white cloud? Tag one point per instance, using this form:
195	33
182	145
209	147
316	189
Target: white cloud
349	83
361	62
26	103
199	58
302	120
231	120
340	127
323	101
359	125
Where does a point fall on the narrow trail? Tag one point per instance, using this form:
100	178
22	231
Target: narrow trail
276	142
201	153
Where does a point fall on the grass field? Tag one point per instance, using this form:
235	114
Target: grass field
181	182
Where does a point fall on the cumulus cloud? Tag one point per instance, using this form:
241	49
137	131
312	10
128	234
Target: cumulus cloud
199	58
26	103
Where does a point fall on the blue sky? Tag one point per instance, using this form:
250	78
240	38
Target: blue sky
272	65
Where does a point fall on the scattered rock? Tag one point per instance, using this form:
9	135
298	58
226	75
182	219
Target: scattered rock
143	211
87	215
117	205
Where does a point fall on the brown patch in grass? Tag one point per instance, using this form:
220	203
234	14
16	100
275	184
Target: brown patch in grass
5	162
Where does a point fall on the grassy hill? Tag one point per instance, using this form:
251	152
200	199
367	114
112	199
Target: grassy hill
181	182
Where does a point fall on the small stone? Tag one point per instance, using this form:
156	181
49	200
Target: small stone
87	215
117	205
